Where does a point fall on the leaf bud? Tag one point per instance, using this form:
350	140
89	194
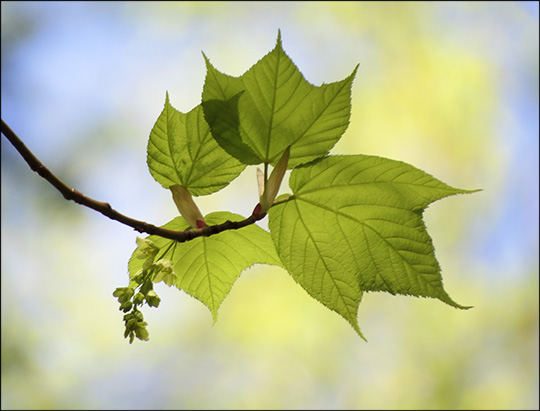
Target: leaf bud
260	181
257	212
185	204
274	181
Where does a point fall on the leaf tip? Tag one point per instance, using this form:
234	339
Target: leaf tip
205	58
461	191
462	307
445	298
353	74
207	62
357	329
472	191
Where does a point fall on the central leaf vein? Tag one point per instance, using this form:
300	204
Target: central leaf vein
326	268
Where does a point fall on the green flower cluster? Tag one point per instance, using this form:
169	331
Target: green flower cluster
129	303
133	319
141	290
161	270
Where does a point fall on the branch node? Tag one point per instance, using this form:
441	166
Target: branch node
106	209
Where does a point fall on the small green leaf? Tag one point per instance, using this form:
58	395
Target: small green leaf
207	267
182	151
354	224
255	117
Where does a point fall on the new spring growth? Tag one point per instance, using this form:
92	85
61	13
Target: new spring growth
164	272
271	187
187	207
146	251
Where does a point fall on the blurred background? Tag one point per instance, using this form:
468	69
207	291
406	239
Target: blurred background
449	87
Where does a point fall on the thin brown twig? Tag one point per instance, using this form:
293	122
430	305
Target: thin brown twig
106	209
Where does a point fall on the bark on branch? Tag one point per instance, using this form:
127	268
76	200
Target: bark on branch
106	209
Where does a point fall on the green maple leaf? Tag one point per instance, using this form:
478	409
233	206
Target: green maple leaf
256	116
207	267
354	224
182	151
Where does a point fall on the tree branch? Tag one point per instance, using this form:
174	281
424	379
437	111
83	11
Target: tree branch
106	209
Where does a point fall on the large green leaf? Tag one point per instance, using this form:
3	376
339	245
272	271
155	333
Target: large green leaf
255	117
354	224
181	151
207	267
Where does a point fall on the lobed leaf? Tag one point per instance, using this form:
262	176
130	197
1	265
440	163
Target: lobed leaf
256	116
182	151
207	267
354	224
